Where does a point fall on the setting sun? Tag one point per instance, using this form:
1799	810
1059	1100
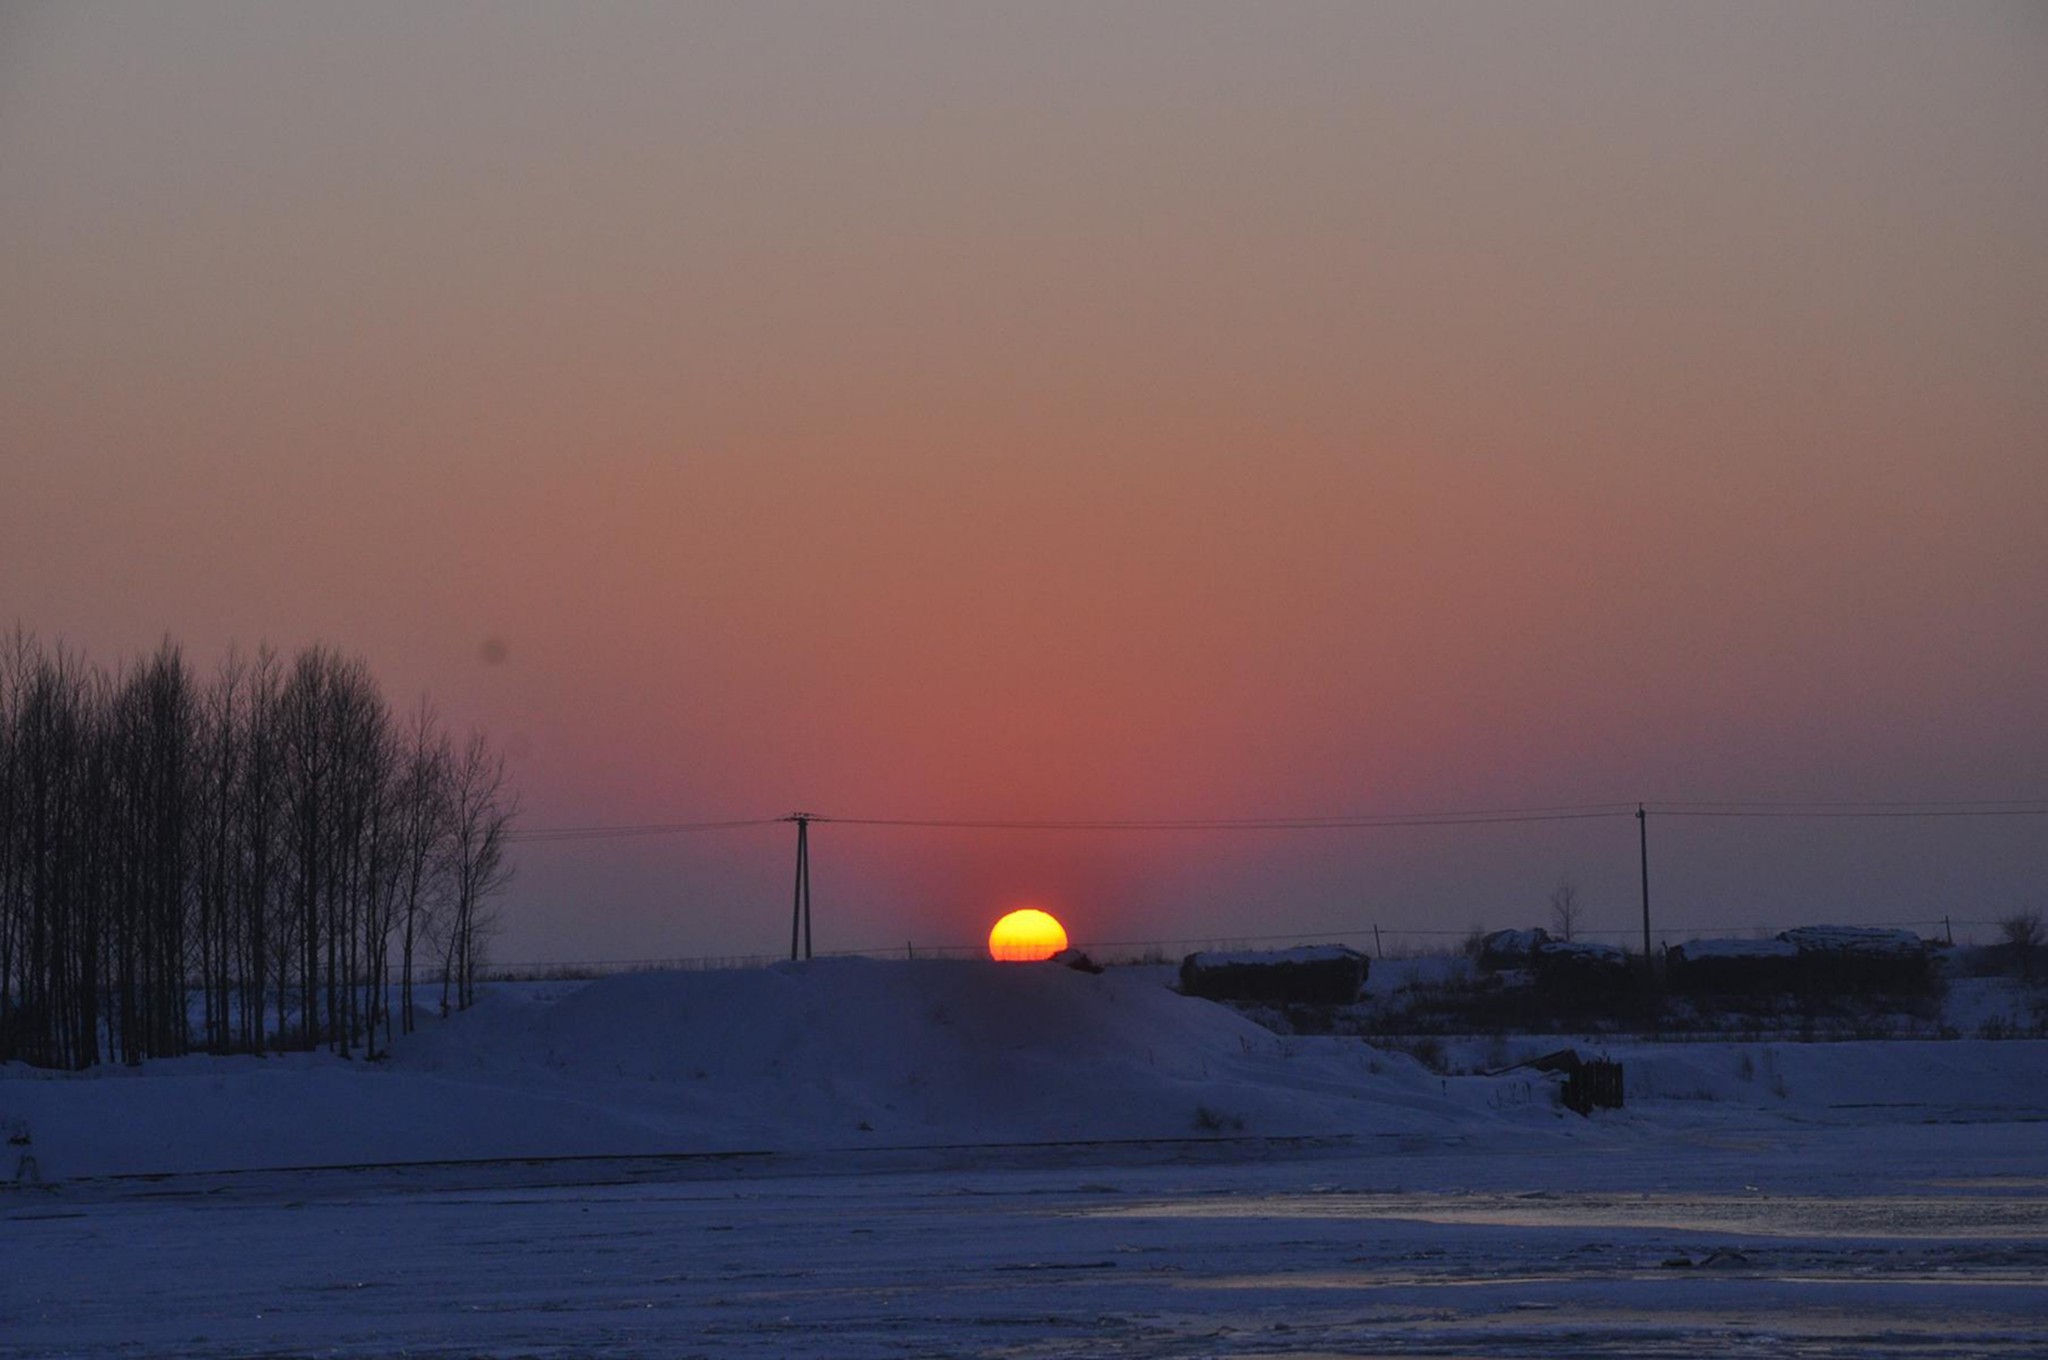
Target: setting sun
1025	937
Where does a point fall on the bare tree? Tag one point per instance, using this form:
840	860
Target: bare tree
480	810
2021	932
307	793
422	861
267	832
1565	908
259	847
217	775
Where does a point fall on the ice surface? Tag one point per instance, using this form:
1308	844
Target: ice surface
1909	1241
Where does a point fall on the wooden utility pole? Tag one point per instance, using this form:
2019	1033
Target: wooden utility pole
800	907
1643	840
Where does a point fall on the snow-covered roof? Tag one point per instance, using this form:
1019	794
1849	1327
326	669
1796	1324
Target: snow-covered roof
1853	940
1514	941
1582	951
1696	950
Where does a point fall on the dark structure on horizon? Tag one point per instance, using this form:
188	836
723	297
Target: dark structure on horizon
1558	965
1811	961
1312	975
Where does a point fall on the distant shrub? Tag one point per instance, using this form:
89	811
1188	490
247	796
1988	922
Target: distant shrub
561	972
2022	934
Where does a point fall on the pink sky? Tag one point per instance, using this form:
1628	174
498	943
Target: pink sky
1070	411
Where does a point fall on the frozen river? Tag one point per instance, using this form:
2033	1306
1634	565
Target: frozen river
1892	1241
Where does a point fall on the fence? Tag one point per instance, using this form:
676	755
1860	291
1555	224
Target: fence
1594	1084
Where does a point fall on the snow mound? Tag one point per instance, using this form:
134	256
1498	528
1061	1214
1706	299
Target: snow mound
936	1051
828	1054
856	1054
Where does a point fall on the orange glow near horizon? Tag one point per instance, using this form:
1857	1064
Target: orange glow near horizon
1026	936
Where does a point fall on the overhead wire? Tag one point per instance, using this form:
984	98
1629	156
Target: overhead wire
594	833
1333	823
1850	803
2007	807
1984	808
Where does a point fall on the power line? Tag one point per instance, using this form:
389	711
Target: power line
595	833
1354	823
2008	807
1878	803
1845	811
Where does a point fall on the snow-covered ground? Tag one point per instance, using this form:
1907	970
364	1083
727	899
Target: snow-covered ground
854	1158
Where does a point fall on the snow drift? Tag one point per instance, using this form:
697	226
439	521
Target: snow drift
860	1054
819	1055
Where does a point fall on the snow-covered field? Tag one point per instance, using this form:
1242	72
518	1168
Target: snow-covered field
856	1158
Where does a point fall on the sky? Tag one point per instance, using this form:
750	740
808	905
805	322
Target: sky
1074	412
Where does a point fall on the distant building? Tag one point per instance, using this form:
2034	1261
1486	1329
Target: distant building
1573	965
1808	961
1732	966
1315	975
1506	949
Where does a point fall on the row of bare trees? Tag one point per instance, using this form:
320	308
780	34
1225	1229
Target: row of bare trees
264	859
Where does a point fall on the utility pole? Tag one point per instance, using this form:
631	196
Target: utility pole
800	907
1643	839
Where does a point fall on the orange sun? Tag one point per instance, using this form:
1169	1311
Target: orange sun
1025	937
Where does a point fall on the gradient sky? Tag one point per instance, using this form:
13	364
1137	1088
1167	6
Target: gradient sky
1073	411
